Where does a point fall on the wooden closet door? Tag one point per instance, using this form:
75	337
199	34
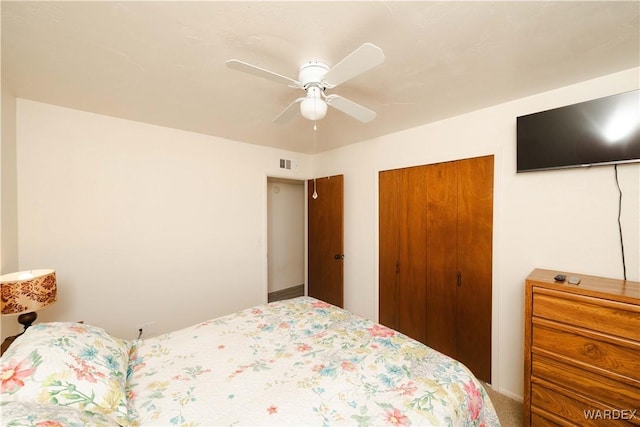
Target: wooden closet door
412	253
441	244
475	253
435	258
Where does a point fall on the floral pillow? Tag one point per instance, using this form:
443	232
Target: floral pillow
67	364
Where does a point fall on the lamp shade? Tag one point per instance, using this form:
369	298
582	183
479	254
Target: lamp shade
27	291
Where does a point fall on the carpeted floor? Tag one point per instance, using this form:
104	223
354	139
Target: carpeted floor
509	410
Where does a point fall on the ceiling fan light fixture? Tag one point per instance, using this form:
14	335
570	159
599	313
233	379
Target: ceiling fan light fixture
315	77
313	108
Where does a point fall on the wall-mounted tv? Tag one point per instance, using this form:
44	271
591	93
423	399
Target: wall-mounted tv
602	131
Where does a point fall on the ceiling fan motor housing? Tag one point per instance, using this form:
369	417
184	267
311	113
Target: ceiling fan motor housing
313	72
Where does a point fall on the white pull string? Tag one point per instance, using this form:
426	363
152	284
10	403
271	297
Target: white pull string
315	129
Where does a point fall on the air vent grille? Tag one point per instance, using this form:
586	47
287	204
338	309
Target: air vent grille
285	164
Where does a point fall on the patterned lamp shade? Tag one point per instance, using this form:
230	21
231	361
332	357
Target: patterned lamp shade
27	291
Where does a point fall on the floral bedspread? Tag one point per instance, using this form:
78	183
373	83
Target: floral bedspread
299	362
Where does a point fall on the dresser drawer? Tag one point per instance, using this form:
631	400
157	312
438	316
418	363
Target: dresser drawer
599	387
542	420
562	406
611	317
587	352
583	412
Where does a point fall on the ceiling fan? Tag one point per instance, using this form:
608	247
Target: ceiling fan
315	77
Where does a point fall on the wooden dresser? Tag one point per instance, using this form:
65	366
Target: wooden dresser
582	351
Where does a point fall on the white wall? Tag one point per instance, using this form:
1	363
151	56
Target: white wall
285	234
8	197
142	223
565	219
8	212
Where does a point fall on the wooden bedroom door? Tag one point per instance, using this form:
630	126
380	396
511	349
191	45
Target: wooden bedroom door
435	257
325	239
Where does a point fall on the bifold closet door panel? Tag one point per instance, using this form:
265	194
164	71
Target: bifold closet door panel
412	258
475	243
441	247
388	232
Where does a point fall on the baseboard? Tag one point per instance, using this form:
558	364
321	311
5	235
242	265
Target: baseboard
513	396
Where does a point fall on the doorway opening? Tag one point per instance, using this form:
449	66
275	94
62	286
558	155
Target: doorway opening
285	238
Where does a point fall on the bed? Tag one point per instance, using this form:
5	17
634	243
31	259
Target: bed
293	362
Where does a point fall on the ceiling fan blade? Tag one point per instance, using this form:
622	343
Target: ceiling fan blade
349	107
287	114
360	60
238	65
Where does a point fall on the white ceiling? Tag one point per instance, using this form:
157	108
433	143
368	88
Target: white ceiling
163	62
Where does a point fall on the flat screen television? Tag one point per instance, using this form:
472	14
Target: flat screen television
602	131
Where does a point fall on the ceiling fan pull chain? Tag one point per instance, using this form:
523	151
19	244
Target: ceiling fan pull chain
315	129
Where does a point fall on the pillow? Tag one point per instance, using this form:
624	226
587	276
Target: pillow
67	364
46	415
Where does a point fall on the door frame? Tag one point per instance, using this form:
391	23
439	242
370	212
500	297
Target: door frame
265	231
